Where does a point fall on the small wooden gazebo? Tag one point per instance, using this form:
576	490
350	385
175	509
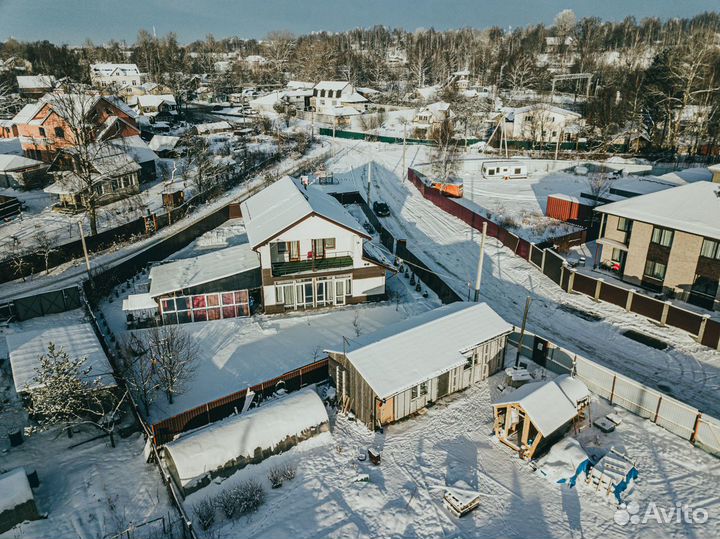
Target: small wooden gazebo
530	419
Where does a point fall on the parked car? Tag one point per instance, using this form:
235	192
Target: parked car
381	209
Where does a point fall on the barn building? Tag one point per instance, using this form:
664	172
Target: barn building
221	448
398	370
536	415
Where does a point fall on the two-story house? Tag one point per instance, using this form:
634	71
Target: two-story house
117	75
667	241
47	127
330	95
542	122
311	249
430	117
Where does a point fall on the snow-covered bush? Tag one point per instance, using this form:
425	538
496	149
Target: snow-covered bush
227	502
205	512
275	475
250	496
289	470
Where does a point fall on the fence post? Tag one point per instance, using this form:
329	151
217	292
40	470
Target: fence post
703	323
598	287
628	302
657	410
612	389
665	311
542	263
696	427
571	280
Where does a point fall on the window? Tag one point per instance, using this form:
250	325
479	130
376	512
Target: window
59	132
281	247
423	389
41	130
655	270
329	243
517	171
710	249
414	392
662	236
623	224
616	255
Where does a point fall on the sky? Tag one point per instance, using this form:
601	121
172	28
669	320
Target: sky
72	21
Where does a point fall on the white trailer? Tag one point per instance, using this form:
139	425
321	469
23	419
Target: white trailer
508	170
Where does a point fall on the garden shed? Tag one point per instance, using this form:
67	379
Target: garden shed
17	503
400	369
223	447
533	417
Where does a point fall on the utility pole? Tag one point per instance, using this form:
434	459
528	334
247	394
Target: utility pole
528	301
404	168
480	262
369	180
557	144
85	251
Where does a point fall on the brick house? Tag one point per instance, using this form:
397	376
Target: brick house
44	127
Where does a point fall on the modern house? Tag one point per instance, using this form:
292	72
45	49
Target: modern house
542	122
35	86
667	241
311	249
153	106
536	415
17	171
400	369
212	286
47	127
117	75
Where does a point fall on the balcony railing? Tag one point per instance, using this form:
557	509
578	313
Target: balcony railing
331	260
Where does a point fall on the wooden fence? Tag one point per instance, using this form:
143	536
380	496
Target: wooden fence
703	327
165	430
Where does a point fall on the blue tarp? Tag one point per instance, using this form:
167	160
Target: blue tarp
584	467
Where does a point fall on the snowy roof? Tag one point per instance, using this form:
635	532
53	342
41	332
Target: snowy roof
342	111
136	147
549	404
692	208
284	203
139	302
354	98
9	163
212	126
14	489
188	272
35	81
155	100
219	444
27	113
420	348
161	143
77	340
115	69
547	107
331	85
300	85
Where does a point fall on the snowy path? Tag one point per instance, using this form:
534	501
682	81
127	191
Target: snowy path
451	249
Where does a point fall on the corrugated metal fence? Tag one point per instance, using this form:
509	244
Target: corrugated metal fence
705	329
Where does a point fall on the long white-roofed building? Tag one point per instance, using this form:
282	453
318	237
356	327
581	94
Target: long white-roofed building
400	369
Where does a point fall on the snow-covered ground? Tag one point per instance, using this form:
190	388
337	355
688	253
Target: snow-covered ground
242	352
88	491
453	442
451	249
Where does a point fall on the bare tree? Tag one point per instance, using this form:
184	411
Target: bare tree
199	165
45	247
139	372
445	150
599	185
173	354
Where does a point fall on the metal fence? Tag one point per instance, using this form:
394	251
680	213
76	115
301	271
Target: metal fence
705	329
671	414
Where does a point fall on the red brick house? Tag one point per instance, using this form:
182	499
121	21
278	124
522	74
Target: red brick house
45	128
